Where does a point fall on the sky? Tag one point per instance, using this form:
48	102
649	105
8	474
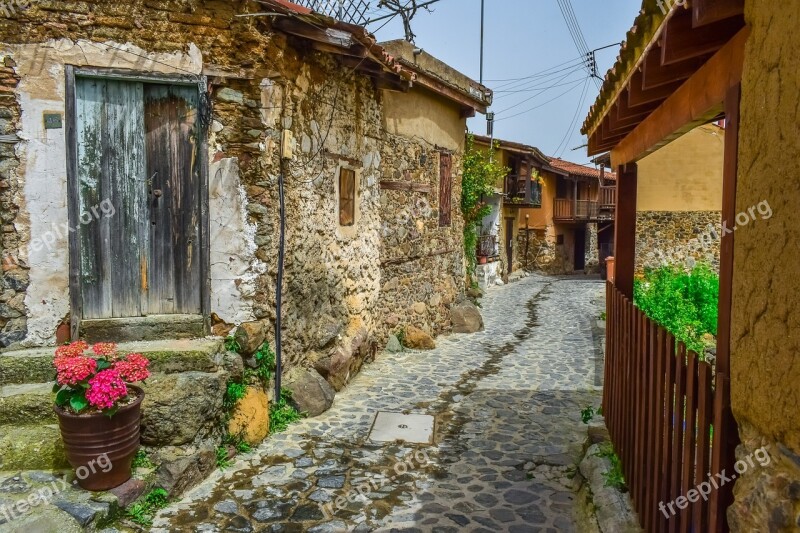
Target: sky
525	38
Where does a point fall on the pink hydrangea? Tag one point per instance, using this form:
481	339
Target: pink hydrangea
106	389
74	349
105	349
133	367
73	370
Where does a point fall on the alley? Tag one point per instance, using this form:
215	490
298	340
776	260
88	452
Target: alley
508	434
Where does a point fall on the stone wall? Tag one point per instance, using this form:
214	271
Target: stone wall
13	273
766	304
677	237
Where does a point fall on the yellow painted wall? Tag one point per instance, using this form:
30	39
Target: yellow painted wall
421	113
685	175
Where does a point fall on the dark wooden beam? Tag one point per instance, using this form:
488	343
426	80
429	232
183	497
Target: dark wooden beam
638	96
625	229
694	103
625	111
680	41
328	36
706	12
654	74
356	50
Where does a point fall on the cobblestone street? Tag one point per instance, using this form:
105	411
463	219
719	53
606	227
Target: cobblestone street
508	434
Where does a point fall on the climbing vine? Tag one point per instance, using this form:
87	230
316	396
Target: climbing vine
482	172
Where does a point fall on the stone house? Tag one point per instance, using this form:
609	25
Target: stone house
686	65
546	213
144	150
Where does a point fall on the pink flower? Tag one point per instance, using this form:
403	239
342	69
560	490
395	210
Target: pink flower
105	349
133	367
106	389
73	370
74	349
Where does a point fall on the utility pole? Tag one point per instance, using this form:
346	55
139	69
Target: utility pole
482	23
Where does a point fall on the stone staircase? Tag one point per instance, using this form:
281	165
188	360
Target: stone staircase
183	400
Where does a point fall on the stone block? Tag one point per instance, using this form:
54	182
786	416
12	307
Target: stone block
416	339
311	394
465	317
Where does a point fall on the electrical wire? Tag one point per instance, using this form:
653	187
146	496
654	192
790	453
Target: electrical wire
573	122
531	88
542	104
562	78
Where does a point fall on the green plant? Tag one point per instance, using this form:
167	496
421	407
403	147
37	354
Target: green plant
237	442
234	392
401	336
265	364
481	174
231	344
684	303
602	316
587	414
141	460
223	461
143	511
614	477
282	413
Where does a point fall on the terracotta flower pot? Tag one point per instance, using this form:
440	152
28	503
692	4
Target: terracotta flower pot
101	448
482	259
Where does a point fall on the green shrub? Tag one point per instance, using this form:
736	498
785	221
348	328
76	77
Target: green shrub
141	460
614	477
265	361
233	393
143	511
282	413
684	303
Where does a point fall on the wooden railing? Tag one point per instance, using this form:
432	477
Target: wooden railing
607	197
568	209
669	421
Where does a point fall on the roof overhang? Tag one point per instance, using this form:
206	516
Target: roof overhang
671	75
517	148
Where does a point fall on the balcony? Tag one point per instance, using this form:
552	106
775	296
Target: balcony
521	191
602	209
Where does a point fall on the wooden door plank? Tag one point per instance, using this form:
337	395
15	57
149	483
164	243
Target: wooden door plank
170	117
123	182
94	272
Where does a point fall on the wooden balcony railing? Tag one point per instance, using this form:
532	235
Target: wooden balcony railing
669	425
607	197
575	210
522	191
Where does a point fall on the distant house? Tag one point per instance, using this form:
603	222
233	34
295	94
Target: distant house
548	214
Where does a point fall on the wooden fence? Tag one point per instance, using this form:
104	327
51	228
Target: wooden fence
669	421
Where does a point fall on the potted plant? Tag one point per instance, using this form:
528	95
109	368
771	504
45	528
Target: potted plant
482	259
99	410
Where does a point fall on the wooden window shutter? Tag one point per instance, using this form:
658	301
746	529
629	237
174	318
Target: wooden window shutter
445	188
347	197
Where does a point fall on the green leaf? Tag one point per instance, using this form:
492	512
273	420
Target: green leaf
78	402
103	364
56	387
63	397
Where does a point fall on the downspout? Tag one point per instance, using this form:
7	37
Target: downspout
285	155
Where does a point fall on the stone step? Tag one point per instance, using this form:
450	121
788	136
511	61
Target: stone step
166	356
28	404
31	447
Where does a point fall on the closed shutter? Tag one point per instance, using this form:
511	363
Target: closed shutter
445	188
347	197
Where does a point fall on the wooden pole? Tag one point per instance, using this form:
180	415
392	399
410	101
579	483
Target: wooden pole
625	229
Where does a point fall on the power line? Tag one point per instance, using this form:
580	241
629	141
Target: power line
536	73
511	87
537	94
544	103
530	88
574	120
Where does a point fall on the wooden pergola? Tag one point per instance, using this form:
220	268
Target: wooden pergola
677	70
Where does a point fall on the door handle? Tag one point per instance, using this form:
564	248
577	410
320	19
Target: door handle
157	193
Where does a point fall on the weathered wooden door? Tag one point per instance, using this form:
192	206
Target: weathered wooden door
137	155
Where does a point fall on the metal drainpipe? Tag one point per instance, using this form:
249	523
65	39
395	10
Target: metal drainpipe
279	284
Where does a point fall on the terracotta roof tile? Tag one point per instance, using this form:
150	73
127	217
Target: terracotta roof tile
579	170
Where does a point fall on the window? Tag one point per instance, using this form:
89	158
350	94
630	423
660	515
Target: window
445	188
347	197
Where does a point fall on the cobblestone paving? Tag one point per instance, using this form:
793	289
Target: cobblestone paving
507	403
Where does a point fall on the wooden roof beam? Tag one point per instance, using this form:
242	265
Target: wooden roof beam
706	12
654	74
638	96
680	41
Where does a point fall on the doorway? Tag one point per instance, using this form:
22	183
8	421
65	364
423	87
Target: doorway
580	249
136	153
510	245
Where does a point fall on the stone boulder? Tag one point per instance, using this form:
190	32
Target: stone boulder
250	418
250	336
311	394
345	360
416	339
179	407
181	468
465	317
394	346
